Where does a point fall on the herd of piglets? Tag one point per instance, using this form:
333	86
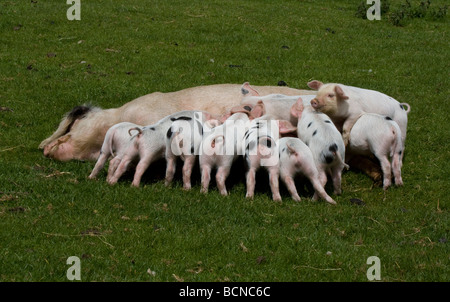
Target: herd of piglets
311	135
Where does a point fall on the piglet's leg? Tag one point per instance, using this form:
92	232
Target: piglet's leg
251	180
221	177
142	166
113	164
206	177
386	167
187	171
122	168
290	184
99	165
170	169
274	174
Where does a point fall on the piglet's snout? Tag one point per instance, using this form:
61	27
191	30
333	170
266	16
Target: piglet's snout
314	103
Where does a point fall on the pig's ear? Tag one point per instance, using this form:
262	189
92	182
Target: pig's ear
286	127
258	111
315	84
248	90
340	93
297	109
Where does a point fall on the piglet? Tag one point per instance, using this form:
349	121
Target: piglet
381	136
115	144
183	141
150	144
319	133
261	150
296	157
220	148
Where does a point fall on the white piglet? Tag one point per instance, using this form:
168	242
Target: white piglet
115	144
183	141
220	148
319	133
381	136
261	150
295	158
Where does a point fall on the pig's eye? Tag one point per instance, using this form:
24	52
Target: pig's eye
331	95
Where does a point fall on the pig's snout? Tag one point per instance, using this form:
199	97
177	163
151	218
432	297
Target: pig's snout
315	103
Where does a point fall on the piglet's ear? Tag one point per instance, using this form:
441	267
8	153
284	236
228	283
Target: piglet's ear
286	127
297	109
258	111
340	93
315	84
248	90
241	108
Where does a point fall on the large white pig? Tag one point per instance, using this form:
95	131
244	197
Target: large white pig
82	130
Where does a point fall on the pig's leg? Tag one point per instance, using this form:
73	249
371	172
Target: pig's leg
322	176
251	180
336	176
320	191
221	177
99	165
170	169
142	166
206	177
122	168
386	167
274	175
189	163
396	169
113	164
290	185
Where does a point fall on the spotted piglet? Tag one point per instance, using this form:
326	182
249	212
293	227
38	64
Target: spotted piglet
220	148
319	133
381	136
296	158
261	150
115	144
150	145
183	141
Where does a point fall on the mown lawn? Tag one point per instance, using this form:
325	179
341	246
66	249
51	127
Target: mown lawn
120	50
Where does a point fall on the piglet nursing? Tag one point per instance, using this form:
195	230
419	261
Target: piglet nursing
115	145
318	132
381	136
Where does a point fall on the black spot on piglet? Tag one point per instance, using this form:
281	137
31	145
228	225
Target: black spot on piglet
387	118
333	148
169	133
184	118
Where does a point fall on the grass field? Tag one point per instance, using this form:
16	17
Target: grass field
120	50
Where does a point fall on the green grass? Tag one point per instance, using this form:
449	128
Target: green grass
49	210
